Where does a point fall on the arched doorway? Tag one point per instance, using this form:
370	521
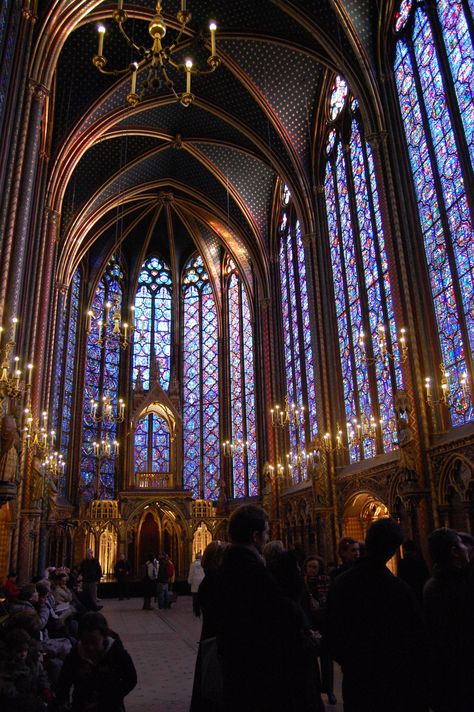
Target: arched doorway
359	513
149	539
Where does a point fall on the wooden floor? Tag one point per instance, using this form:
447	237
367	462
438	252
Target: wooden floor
163	645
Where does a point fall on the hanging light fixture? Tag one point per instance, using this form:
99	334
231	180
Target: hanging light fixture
121	333
158	57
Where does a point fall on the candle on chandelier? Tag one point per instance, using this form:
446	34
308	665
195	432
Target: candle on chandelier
90	314
189	65
30	374
213	28
134	77
101	31
120	4
14	323
183	5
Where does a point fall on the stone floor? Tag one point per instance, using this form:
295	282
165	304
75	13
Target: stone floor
163	645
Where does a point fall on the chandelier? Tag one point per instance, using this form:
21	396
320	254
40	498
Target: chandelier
105	410
158	57
452	394
37	435
235	447
11	384
380	340
120	333
290	414
358	431
105	449
54	464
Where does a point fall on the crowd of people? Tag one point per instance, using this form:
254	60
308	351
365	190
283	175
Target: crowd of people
272	623
56	650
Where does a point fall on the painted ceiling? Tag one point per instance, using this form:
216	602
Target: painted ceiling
211	168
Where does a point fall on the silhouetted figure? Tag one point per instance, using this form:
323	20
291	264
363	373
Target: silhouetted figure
375	631
412	568
449	615
122	574
259	637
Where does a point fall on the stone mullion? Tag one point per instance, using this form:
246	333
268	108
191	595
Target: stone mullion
404	309
330	384
39	324
15	134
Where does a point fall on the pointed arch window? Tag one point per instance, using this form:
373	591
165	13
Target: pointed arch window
299	364
201	448
64	372
152	444
433	63
152	337
361	284
97	477
242	386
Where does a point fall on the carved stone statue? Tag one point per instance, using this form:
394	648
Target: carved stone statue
401	403
407	446
9	440
37	480
52	499
267	487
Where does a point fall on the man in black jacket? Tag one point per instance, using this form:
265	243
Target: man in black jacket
260	630
375	631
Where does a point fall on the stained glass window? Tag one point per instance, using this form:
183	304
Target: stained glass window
201	449
433	72
338	97
152	337
97	477
299	366
152	444
362	293
242	387
64	370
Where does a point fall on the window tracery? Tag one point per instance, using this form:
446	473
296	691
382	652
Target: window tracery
97	477
153	309
242	386
361	284
201	412
433	72
299	366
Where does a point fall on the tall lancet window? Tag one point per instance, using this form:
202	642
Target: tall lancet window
242	387
152	445
97	476
64	372
299	365
201	450
366	326
152	338
433	66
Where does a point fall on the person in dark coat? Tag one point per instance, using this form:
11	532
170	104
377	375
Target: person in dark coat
91	572
98	668
122	574
448	607
259	641
412	568
375	631
207	605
